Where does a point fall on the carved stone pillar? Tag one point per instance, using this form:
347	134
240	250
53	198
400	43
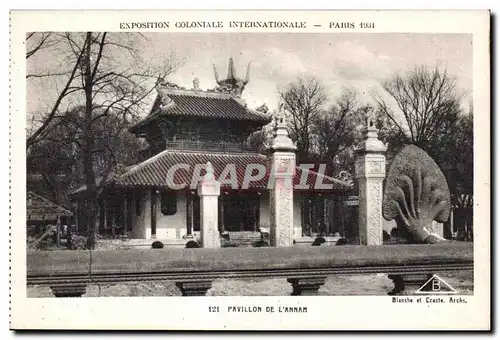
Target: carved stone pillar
154	195
282	165
221	214
189	215
125	214
370	175
58	231
209	191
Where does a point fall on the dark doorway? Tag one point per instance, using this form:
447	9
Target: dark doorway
240	211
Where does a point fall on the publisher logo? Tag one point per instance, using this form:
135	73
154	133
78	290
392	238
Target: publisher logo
436	285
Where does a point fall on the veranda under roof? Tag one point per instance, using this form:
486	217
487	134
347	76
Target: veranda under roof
152	173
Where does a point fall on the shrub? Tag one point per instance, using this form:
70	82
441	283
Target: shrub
264	237
228	245
341	242
395	232
385	236
157	245
319	241
261	243
224	241
224	235
77	242
192	244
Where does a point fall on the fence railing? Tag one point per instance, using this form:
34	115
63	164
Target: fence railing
210	146
194	270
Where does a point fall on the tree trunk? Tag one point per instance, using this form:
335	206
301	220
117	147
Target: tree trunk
91	193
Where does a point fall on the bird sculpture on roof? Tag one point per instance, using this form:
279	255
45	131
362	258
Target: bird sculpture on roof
232	84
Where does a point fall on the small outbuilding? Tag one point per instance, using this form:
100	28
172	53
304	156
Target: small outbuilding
42	212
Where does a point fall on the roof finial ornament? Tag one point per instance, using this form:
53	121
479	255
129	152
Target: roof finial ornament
163	84
281	140
370	142
196	84
160	83
231	72
280	117
216	75
370	119
232	84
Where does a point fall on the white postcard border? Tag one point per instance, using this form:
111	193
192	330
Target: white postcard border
325	312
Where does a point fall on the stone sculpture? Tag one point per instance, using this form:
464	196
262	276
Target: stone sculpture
416	193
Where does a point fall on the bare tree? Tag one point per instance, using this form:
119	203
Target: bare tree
302	101
109	89
57	159
109	80
427	100
337	128
429	115
36	42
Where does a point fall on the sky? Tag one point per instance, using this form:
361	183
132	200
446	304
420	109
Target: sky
348	60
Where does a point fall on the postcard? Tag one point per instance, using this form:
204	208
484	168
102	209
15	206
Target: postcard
250	170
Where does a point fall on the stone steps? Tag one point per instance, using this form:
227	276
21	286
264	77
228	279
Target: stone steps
243	238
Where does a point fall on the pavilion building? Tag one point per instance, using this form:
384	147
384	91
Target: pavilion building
193	127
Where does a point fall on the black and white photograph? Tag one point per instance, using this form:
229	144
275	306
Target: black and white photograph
163	160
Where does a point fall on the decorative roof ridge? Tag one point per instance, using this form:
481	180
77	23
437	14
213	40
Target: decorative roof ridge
215	153
163	99
195	93
210	94
243	103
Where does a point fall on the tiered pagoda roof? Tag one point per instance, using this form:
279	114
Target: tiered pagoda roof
202	104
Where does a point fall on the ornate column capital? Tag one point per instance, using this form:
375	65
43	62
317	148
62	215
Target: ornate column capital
370	142
208	185
370	166
281	140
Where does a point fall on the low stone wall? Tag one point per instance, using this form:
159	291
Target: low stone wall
193	270
118	244
307	241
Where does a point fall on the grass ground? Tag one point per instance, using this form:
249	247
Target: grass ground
376	284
